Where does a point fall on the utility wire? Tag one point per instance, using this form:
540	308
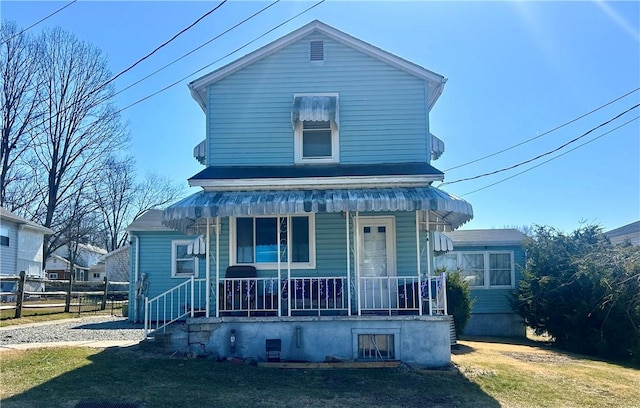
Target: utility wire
196	49
553	158
42	19
160	46
543	154
545	133
201	69
219	59
102	86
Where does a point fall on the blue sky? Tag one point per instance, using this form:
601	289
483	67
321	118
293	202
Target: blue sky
515	70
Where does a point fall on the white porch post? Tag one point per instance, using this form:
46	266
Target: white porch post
289	264
208	272
429	254
418	262
279	266
356	226
348	266
217	266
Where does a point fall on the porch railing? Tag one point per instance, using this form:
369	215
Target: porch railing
305	296
402	294
249	296
177	303
319	295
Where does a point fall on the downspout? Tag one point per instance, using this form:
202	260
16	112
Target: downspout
136	278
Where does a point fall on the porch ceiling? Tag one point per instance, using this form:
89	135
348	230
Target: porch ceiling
450	209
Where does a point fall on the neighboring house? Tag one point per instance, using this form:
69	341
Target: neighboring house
312	227
87	256
491	261
97	272
117	264
629	232
21	247
59	268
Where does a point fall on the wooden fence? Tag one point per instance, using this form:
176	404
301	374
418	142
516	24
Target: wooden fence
40	293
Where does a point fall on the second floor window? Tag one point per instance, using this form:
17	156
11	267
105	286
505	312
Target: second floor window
4	236
315	122
316	140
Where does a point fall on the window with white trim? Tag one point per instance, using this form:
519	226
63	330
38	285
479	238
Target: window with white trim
53	275
4	236
182	264
487	269
315	123
255	241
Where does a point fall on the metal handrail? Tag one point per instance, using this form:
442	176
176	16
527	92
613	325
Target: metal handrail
172	305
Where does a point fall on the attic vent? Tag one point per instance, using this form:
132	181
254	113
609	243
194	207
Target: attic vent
316	51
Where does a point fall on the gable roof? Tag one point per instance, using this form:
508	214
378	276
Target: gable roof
486	237
149	221
436	81
8	215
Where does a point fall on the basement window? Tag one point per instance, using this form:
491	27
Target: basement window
316	51
376	347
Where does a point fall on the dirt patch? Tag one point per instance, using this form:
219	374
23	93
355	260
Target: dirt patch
548	358
474	372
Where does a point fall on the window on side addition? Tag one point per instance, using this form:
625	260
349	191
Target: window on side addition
183	264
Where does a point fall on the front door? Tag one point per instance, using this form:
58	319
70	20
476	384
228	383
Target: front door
377	261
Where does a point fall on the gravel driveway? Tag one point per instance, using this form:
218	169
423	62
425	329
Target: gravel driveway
97	328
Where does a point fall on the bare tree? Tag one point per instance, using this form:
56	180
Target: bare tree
120	199
19	85
79	128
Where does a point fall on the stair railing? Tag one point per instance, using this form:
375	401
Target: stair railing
174	304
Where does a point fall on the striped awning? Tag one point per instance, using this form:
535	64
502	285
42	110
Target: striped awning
448	208
314	109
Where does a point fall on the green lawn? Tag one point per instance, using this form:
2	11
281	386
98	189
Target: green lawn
490	375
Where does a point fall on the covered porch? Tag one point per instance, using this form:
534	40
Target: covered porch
370	253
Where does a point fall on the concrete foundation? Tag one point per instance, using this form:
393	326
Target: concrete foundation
417	340
495	324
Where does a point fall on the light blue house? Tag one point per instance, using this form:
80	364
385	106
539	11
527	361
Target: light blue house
312	234
491	261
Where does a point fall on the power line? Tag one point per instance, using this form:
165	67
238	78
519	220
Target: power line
42	19
545	133
203	68
219	59
543	154
160	46
197	48
102	86
553	158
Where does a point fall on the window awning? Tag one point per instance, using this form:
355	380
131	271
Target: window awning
441	242
448	208
197	247
314	109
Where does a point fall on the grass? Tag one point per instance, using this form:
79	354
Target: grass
43	314
490	375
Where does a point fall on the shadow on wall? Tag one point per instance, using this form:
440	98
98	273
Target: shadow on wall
129	377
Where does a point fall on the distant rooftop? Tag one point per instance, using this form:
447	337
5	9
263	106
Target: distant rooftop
149	221
486	237
630	232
